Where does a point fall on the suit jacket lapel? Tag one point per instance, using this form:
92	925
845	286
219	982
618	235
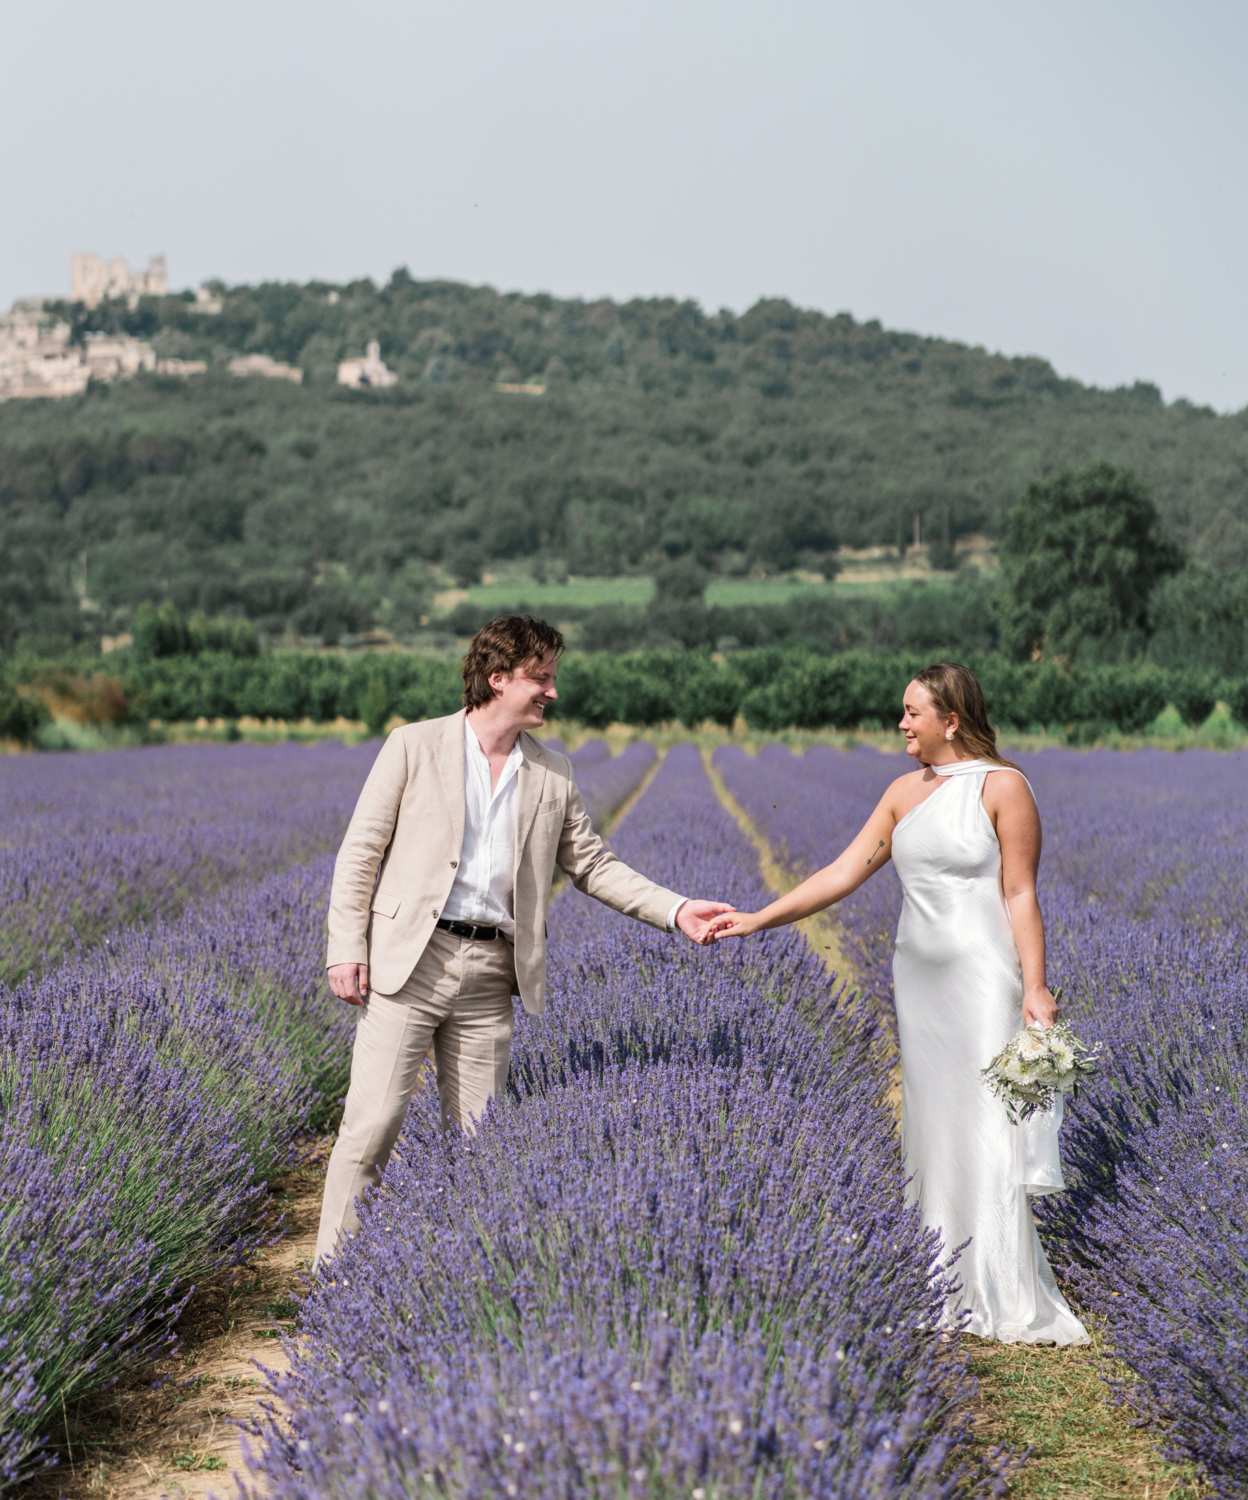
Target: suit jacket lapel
530	780
449	754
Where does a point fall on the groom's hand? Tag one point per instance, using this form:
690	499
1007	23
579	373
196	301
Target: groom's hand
695	917
349	982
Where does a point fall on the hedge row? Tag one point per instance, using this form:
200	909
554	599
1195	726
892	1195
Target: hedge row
806	691
292	685
772	689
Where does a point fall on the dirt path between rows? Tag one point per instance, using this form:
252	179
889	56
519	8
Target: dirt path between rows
172	1428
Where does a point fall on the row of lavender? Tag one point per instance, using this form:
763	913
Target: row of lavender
151	1086
91	843
674	1261
149	1090
1145	890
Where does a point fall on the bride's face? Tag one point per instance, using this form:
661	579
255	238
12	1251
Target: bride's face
922	726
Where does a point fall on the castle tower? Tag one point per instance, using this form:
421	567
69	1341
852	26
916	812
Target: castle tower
92	279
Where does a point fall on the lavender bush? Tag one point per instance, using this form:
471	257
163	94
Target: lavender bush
1144	884
673	1261
150	1087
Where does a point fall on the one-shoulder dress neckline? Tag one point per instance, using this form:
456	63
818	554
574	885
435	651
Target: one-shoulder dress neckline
964	767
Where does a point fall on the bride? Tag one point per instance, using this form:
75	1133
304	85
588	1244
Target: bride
968	973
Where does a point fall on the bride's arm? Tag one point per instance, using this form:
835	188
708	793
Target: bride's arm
868	853
1010	805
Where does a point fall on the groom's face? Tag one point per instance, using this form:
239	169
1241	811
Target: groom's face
526	692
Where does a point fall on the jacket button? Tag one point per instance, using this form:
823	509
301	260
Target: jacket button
454	864
435	911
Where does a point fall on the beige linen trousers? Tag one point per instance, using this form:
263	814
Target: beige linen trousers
392	877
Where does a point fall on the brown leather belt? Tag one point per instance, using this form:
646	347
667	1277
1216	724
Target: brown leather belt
469	930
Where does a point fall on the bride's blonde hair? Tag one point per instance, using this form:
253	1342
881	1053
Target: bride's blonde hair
955	689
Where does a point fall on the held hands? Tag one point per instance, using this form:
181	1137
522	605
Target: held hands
695	919
1039	1007
349	982
735	924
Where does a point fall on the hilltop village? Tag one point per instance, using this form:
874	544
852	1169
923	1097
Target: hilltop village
41	356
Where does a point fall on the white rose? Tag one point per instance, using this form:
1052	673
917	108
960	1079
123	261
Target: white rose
1032	1044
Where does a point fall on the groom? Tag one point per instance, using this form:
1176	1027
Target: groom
437	913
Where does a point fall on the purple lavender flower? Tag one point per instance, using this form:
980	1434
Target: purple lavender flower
606	783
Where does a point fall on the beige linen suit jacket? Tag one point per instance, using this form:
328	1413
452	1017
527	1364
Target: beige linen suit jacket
409	825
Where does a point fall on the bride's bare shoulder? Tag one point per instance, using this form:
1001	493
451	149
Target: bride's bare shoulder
1007	779
905	790
1007	787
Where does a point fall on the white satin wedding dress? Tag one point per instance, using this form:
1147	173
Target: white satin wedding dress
959	992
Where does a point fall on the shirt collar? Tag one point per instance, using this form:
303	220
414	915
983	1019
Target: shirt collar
472	747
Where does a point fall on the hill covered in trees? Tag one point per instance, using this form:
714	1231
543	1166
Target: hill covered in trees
763	441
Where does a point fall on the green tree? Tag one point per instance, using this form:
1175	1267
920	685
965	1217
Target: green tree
1080	555
681	581
678	614
159	630
1200	619
236	637
408	596
375	705
21	713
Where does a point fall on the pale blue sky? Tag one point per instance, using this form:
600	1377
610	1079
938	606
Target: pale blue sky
1066	179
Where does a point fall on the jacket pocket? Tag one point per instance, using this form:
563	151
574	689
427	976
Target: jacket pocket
386	906
549	807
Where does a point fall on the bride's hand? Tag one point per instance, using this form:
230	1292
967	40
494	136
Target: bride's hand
1039	1007
734	924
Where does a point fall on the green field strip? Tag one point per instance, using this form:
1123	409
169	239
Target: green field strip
638	592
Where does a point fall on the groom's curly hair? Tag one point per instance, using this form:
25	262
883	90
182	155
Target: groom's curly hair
505	645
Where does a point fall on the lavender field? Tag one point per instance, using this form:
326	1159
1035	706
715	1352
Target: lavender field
675	1260
171	1042
1145	891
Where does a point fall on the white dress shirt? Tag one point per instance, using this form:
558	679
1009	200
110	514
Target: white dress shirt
484	887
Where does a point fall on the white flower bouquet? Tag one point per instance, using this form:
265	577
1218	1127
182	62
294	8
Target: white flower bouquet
1037	1065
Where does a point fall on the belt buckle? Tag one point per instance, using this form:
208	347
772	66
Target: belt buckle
463	929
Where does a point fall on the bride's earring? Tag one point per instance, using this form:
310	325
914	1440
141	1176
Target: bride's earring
948	734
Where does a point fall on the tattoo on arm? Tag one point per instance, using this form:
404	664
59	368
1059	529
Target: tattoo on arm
878	847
